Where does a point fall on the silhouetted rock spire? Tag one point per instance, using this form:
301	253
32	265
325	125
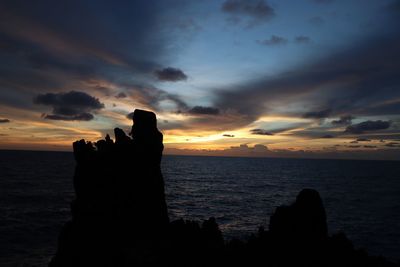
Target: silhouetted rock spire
120	218
119	193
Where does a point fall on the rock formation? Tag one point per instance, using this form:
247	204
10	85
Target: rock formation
119	196
120	218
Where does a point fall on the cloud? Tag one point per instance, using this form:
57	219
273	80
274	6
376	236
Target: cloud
257	11
68	106
200	110
80	41
361	80
317	21
343	120
393	144
151	97
170	74
273	40
4	121
78	117
369	146
42	53
189	25
367	126
385	107
327	136
279	40
354	146
363	140
394	6
301	39
121	95
228	135
321	114
260	150
244	149
260	132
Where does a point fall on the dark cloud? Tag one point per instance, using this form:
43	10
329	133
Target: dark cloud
72	105
317	21
312	132
48	47
273	40
290	127
367	126
301	39
369	146
257	11
321	114
200	110
246	149
394	6
189	25
363	140
385	108
260	132
393	144
361	80
354	146
4	120
343	120
228	135
263	151
152	97
170	75
81	40
121	95
78	117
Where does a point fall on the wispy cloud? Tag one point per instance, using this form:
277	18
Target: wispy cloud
255	11
273	40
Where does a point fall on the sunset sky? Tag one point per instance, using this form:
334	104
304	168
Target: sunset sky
301	78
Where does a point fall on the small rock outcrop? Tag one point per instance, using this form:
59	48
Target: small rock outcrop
120	217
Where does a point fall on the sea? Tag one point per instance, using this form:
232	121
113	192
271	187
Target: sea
362	198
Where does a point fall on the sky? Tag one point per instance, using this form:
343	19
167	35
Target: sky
304	78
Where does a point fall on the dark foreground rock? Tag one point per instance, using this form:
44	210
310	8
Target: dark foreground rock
120	218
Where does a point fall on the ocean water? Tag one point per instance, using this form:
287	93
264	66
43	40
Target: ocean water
362	198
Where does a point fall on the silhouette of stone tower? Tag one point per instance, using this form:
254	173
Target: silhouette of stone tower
120	196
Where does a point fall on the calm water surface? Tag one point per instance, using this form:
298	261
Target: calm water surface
362	198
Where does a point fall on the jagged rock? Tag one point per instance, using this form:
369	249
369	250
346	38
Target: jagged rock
119	195
120	218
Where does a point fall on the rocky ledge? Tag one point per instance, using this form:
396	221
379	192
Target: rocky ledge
120	218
